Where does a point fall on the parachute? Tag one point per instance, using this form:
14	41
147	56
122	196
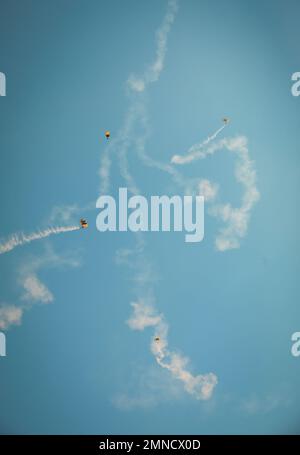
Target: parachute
83	223
107	134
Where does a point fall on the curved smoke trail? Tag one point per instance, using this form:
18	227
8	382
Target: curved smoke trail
236	219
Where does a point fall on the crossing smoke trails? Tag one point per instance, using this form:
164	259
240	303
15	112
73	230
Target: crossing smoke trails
144	313
21	239
137	85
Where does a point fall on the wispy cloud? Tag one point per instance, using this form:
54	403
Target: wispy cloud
66	214
147	387
255	405
33	290
127	402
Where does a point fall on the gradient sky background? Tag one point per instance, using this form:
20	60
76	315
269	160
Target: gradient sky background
74	366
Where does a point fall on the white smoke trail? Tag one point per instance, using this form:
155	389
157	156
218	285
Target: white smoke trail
196	150
201	386
139	84
189	185
21	239
144	314
140	142
122	140
126	140
236	218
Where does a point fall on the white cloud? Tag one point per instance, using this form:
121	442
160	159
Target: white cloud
10	315
36	291
143	316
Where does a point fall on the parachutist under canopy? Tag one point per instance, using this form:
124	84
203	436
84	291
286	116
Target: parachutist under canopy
83	223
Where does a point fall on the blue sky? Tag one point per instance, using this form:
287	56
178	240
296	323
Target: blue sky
73	365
